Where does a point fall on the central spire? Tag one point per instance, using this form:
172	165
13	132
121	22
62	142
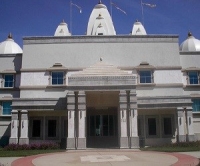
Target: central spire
100	16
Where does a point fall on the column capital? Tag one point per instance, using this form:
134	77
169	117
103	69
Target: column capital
81	93
189	109
180	108
70	92
133	92
24	111
14	111
70	100
122	92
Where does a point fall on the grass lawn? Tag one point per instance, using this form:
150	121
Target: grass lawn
175	147
23	153
171	149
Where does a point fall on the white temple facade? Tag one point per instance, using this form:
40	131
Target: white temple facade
100	90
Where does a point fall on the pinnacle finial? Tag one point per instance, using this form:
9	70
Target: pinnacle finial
10	36
63	21
189	34
100	2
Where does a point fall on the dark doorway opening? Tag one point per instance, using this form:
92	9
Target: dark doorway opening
102	130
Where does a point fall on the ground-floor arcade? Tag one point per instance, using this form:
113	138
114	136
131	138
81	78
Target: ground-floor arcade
103	119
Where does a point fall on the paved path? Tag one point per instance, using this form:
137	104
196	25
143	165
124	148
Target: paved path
115	157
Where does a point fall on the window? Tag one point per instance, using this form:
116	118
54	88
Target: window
52	128
57	78
102	125
8	80
167	126
152	131
7	108
145	76
196	105
193	77
36	129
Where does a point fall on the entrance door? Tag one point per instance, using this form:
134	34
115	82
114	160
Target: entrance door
102	130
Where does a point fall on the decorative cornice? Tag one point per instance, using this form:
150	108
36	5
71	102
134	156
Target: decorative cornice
164	102
192	86
191	69
119	67
10	55
57	67
190	53
170	85
146	84
32	87
8	72
50	69
195	95
102	39
9	89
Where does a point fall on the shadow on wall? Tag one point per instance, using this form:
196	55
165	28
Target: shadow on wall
17	62
4	139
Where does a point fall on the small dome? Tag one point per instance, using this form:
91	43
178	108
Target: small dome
138	29
190	44
10	47
62	30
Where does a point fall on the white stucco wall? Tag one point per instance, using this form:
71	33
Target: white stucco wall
49	93
34	78
184	78
190	60
158	91
85	51
10	62
167	76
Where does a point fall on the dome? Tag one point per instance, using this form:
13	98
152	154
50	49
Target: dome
138	29
62	30
10	47
190	44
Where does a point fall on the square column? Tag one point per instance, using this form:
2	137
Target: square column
123	131
181	125
190	127
71	143
24	139
14	127
81	144
134	139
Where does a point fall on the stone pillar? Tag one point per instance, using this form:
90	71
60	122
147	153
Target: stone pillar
14	128
134	139
181	137
81	144
123	135
190	127
24	139
71	142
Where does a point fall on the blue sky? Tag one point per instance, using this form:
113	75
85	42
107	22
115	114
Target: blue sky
41	17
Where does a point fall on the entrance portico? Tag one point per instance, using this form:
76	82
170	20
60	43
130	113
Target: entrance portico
108	106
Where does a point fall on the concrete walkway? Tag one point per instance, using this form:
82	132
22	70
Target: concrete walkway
103	157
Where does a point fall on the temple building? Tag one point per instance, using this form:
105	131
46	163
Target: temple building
100	90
